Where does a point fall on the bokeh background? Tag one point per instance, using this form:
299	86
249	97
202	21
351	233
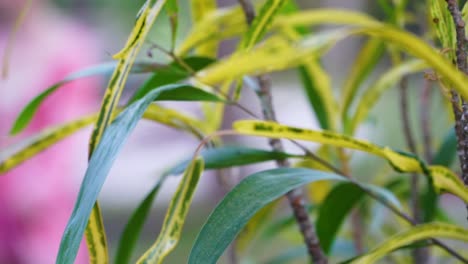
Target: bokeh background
62	36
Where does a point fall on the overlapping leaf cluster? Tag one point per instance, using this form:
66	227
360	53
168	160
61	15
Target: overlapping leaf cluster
282	37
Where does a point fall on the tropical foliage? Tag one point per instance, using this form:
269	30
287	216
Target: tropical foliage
280	36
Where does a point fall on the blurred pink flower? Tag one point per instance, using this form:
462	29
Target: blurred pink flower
36	199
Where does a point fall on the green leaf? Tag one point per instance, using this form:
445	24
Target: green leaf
172	9
333	211
317	85
27	114
314	79
200	10
31	108
133	228
448	150
16	155
175	216
274	54
230	156
383	83
171	74
338	205
414	234
240	204
102	160
260	24
442	21
442	178
365	62
126	57
13	157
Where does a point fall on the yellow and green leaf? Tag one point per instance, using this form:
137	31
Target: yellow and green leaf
36	144
385	81
260	24
365	62
200	10
175	217
442	21
420	232
111	98
318	87
443	179
275	54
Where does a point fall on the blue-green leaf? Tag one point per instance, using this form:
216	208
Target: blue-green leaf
103	158
229	156
239	205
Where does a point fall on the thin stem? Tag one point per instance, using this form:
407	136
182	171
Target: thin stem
461	116
295	197
384	202
420	255
425	117
356	216
410	142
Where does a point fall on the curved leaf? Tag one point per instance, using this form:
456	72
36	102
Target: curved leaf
18	154
36	144
126	59
100	164
260	24
385	81
365	62
175	216
443	179
201	9
171	73
230	156
333	211
226	23
273	55
133	228
416	233
448	149
318	87
30	110
242	202
442	21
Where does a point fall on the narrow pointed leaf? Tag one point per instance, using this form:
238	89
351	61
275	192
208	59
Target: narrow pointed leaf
385	81
175	216
201	9
15	156
171	74
447	151
260	24
442	178
365	62
131	233
224	157
420	232
126	59
333	212
100	164
240	204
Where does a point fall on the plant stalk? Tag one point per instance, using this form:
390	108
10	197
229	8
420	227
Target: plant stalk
420	255
461	114
295	197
